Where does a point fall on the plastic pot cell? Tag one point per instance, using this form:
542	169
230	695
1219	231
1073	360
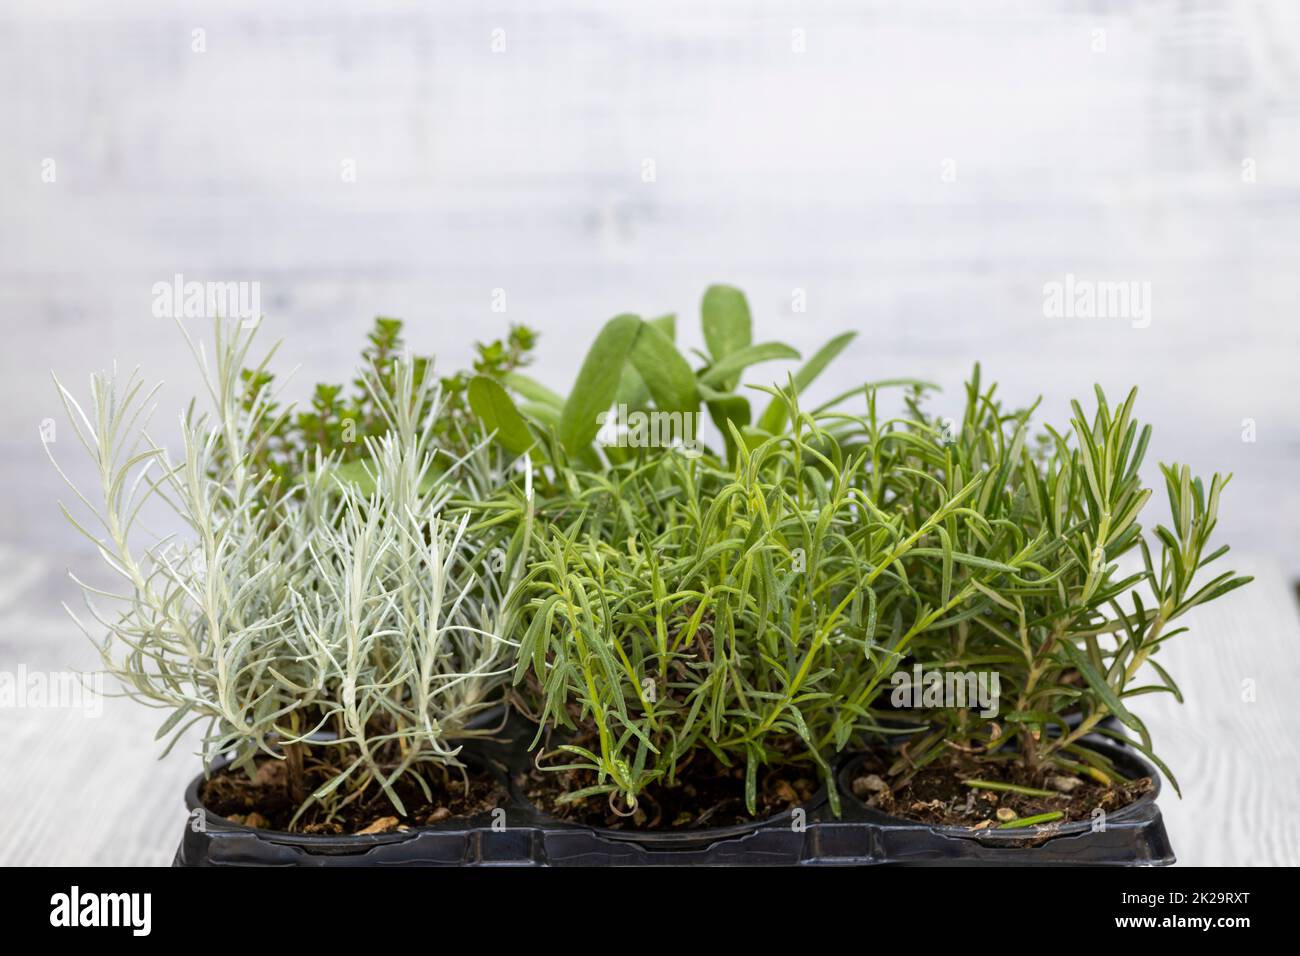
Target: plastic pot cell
517	834
1131	836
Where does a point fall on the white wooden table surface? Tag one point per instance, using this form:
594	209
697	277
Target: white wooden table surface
89	790
916	170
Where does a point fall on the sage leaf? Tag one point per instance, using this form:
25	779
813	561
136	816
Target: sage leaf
666	374
725	317
597	382
721	372
494	408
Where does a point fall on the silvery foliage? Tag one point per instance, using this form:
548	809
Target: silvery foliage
359	612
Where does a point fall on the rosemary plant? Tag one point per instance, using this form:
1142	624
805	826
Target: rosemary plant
1027	579
758	610
685	605
355	635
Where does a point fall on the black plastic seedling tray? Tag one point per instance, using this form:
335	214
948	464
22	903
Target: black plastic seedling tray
518	835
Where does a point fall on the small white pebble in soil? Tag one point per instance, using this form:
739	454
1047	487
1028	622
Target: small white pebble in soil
870	783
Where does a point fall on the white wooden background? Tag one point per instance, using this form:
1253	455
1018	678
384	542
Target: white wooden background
796	146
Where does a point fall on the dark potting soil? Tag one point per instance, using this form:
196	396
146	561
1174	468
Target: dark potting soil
264	802
936	793
706	794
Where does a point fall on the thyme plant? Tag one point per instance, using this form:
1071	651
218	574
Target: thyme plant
353	634
337	420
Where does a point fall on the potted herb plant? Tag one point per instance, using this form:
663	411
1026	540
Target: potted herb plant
335	641
1031	582
471	620
671	630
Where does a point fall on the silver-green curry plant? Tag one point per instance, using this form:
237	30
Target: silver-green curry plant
356	634
748	604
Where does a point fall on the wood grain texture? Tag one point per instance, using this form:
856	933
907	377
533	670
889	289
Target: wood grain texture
914	171
1233	744
821	168
81	789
